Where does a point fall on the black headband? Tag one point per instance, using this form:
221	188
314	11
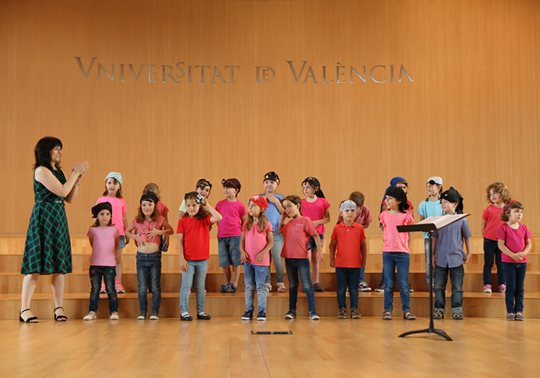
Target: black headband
149	197
101	206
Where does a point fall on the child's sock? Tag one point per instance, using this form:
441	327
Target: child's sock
184	313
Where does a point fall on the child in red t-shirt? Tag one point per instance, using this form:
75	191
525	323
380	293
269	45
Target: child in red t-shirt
497	196
296	234
350	241
315	207
194	251
146	229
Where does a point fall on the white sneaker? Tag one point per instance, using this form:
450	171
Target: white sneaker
114	317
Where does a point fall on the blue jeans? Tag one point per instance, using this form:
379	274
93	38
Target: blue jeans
391	261
456	279
122	242
149	273
347	277
254	278
196	277
312	244
361	276
278	260
492	252
294	268
229	251
108	273
515	276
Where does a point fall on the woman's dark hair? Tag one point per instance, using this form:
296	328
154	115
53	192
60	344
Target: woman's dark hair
201	214
42	152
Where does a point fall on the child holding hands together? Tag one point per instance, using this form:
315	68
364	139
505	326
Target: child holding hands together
514	240
257	240
349	240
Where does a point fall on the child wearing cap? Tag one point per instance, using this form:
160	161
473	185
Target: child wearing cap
273	214
194	251
396	252
363	217
431	207
146	229
113	195
233	214
349	240
296	234
203	187
104	239
449	256
257	240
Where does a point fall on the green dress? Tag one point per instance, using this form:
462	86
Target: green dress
48	246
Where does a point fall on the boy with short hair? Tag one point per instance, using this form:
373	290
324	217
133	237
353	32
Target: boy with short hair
349	240
229	233
449	256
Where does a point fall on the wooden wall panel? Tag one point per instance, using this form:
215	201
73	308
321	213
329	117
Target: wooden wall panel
470	116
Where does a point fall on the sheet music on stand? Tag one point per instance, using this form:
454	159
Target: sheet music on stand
432	223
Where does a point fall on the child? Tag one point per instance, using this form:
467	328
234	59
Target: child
233	213
296	234
146	229
257	240
396	182
363	217
113	195
497	195
162	210
349	239
203	187
396	252
104	239
315	207
431	207
515	242
449	256
273	214
194	251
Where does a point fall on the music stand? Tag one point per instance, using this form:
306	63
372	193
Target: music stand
429	225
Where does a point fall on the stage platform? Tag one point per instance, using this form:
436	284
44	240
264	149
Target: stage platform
225	347
476	303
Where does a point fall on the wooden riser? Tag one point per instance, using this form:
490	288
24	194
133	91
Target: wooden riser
80	282
170	263
233	305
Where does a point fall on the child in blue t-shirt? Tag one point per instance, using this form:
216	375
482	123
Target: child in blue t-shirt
273	214
431	207
449	255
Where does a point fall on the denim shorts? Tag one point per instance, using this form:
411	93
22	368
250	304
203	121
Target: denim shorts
229	251
312	244
122	242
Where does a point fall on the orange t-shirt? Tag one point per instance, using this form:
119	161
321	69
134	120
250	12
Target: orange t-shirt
492	216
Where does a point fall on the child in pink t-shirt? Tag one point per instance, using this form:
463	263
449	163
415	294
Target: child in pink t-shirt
257	240
396	252
113	195
229	233
163	210
315	207
146	229
514	241
497	196
296	235
104	239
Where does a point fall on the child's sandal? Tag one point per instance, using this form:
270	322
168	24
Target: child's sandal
281	288
387	315
186	318
407	315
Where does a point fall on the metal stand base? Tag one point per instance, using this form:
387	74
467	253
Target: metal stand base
430	274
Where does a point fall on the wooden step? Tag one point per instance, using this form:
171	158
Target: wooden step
233	305
170	262
11	283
